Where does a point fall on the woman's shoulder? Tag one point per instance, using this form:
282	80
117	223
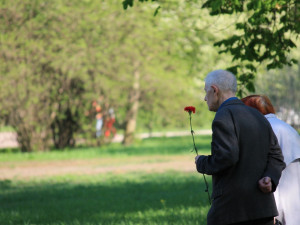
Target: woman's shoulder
280	126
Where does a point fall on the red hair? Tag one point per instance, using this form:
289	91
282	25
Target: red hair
260	102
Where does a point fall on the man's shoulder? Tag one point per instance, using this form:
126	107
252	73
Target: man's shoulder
229	107
236	108
234	102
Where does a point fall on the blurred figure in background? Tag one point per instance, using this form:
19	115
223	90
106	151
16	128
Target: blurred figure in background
109	124
287	195
99	119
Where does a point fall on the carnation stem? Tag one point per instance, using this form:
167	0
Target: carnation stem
195	148
206	190
192	132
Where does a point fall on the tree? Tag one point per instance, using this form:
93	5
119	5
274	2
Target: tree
265	33
41	92
138	63
57	58
283	88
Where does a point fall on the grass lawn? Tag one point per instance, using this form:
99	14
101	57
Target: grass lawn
139	197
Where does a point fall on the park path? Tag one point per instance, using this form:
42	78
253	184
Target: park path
34	169
9	139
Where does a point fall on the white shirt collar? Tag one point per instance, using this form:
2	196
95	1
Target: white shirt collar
270	115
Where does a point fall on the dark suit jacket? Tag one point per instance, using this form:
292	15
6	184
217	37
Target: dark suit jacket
243	150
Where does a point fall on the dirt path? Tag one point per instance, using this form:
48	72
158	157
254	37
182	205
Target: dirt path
26	170
9	139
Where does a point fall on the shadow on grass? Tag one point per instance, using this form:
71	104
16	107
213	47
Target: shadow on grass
169	198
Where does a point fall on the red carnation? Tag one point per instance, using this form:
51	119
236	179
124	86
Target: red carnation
190	109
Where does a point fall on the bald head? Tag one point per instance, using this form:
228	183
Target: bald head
223	79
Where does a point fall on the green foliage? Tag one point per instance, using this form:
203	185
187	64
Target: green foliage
283	88
57	58
129	3
45	84
266	35
6	129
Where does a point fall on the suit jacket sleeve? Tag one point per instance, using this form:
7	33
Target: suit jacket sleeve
275	163
224	148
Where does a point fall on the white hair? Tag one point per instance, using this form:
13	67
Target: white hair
224	79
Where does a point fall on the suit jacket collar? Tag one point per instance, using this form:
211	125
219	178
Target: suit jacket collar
230	101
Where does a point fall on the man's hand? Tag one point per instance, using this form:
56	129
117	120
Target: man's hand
196	158
265	184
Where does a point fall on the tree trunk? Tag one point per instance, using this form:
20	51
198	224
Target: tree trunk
130	122
23	133
24	139
62	131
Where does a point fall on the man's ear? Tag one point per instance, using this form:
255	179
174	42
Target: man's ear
215	89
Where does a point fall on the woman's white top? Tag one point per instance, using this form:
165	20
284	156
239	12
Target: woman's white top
287	195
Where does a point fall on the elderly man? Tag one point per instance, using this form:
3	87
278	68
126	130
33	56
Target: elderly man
245	161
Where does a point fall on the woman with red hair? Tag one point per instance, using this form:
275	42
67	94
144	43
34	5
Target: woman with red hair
260	102
287	195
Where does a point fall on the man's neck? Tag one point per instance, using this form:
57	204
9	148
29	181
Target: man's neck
225	96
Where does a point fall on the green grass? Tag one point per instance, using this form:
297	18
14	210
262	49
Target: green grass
134	198
149	146
127	198
6	129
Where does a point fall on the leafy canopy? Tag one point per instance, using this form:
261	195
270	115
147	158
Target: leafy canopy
266	33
